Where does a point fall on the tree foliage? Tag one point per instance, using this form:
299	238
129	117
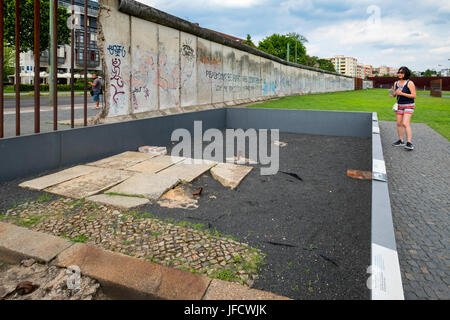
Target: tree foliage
276	45
249	41
8	66
26	19
429	73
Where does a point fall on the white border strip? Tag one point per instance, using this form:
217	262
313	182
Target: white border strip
386	281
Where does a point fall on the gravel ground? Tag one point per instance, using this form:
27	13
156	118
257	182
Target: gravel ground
34	281
315	231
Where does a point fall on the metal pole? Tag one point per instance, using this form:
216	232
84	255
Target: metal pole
37	67
85	60
287	58
17	49
55	64
72	77
51	85
295	52
2	29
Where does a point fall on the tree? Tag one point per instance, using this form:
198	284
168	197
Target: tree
429	73
276	45
27	24
249	41
8	66
326	64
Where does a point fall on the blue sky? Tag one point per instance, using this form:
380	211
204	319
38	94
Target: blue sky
415	33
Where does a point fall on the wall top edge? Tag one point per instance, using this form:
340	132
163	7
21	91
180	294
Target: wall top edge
142	11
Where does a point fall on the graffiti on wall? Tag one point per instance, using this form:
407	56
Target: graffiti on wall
117	83
143	76
188	66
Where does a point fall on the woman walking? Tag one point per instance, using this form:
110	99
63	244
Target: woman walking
405	91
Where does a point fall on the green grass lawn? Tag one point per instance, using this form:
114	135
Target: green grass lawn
435	112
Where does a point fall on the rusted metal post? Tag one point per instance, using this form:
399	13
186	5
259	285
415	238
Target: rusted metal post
2	30
37	67
72	66
85	59
17	80
55	64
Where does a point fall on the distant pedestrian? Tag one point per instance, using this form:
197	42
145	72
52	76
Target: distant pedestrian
405	91
96	89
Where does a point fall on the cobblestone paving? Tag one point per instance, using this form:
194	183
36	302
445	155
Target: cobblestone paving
180	245
419	191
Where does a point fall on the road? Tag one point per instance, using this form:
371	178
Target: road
27	118
10	102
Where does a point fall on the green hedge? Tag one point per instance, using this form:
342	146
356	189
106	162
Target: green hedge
79	86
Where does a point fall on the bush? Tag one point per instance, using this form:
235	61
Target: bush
78	86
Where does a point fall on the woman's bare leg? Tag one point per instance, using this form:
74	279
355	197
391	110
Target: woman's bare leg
400	127
407	125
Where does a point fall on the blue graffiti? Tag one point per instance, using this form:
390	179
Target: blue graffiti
269	87
117	50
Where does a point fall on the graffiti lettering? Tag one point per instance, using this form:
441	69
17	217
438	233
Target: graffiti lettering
187	51
117	50
117	78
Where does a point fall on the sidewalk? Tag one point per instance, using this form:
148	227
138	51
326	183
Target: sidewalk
419	190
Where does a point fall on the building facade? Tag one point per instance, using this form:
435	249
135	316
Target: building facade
64	51
345	65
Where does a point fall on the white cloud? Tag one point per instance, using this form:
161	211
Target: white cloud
441	50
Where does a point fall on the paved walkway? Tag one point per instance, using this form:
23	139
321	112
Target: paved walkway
419	190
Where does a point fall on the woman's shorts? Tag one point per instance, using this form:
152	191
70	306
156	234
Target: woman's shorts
405	110
96	96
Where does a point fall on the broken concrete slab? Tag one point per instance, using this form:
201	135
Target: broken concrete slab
124	277
122	161
156	164
118	201
154	150
188	170
18	243
230	175
148	185
58	177
179	197
90	184
224	290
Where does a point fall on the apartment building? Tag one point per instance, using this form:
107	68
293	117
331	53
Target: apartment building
345	65
64	51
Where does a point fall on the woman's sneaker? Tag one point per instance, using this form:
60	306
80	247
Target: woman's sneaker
399	143
409	146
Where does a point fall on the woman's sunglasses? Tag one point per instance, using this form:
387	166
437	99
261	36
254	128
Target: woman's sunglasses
400	72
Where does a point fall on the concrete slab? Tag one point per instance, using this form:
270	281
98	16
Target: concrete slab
223	290
58	177
124	277
90	184
118	201
188	170
148	185
156	164
123	160
230	175
17	243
